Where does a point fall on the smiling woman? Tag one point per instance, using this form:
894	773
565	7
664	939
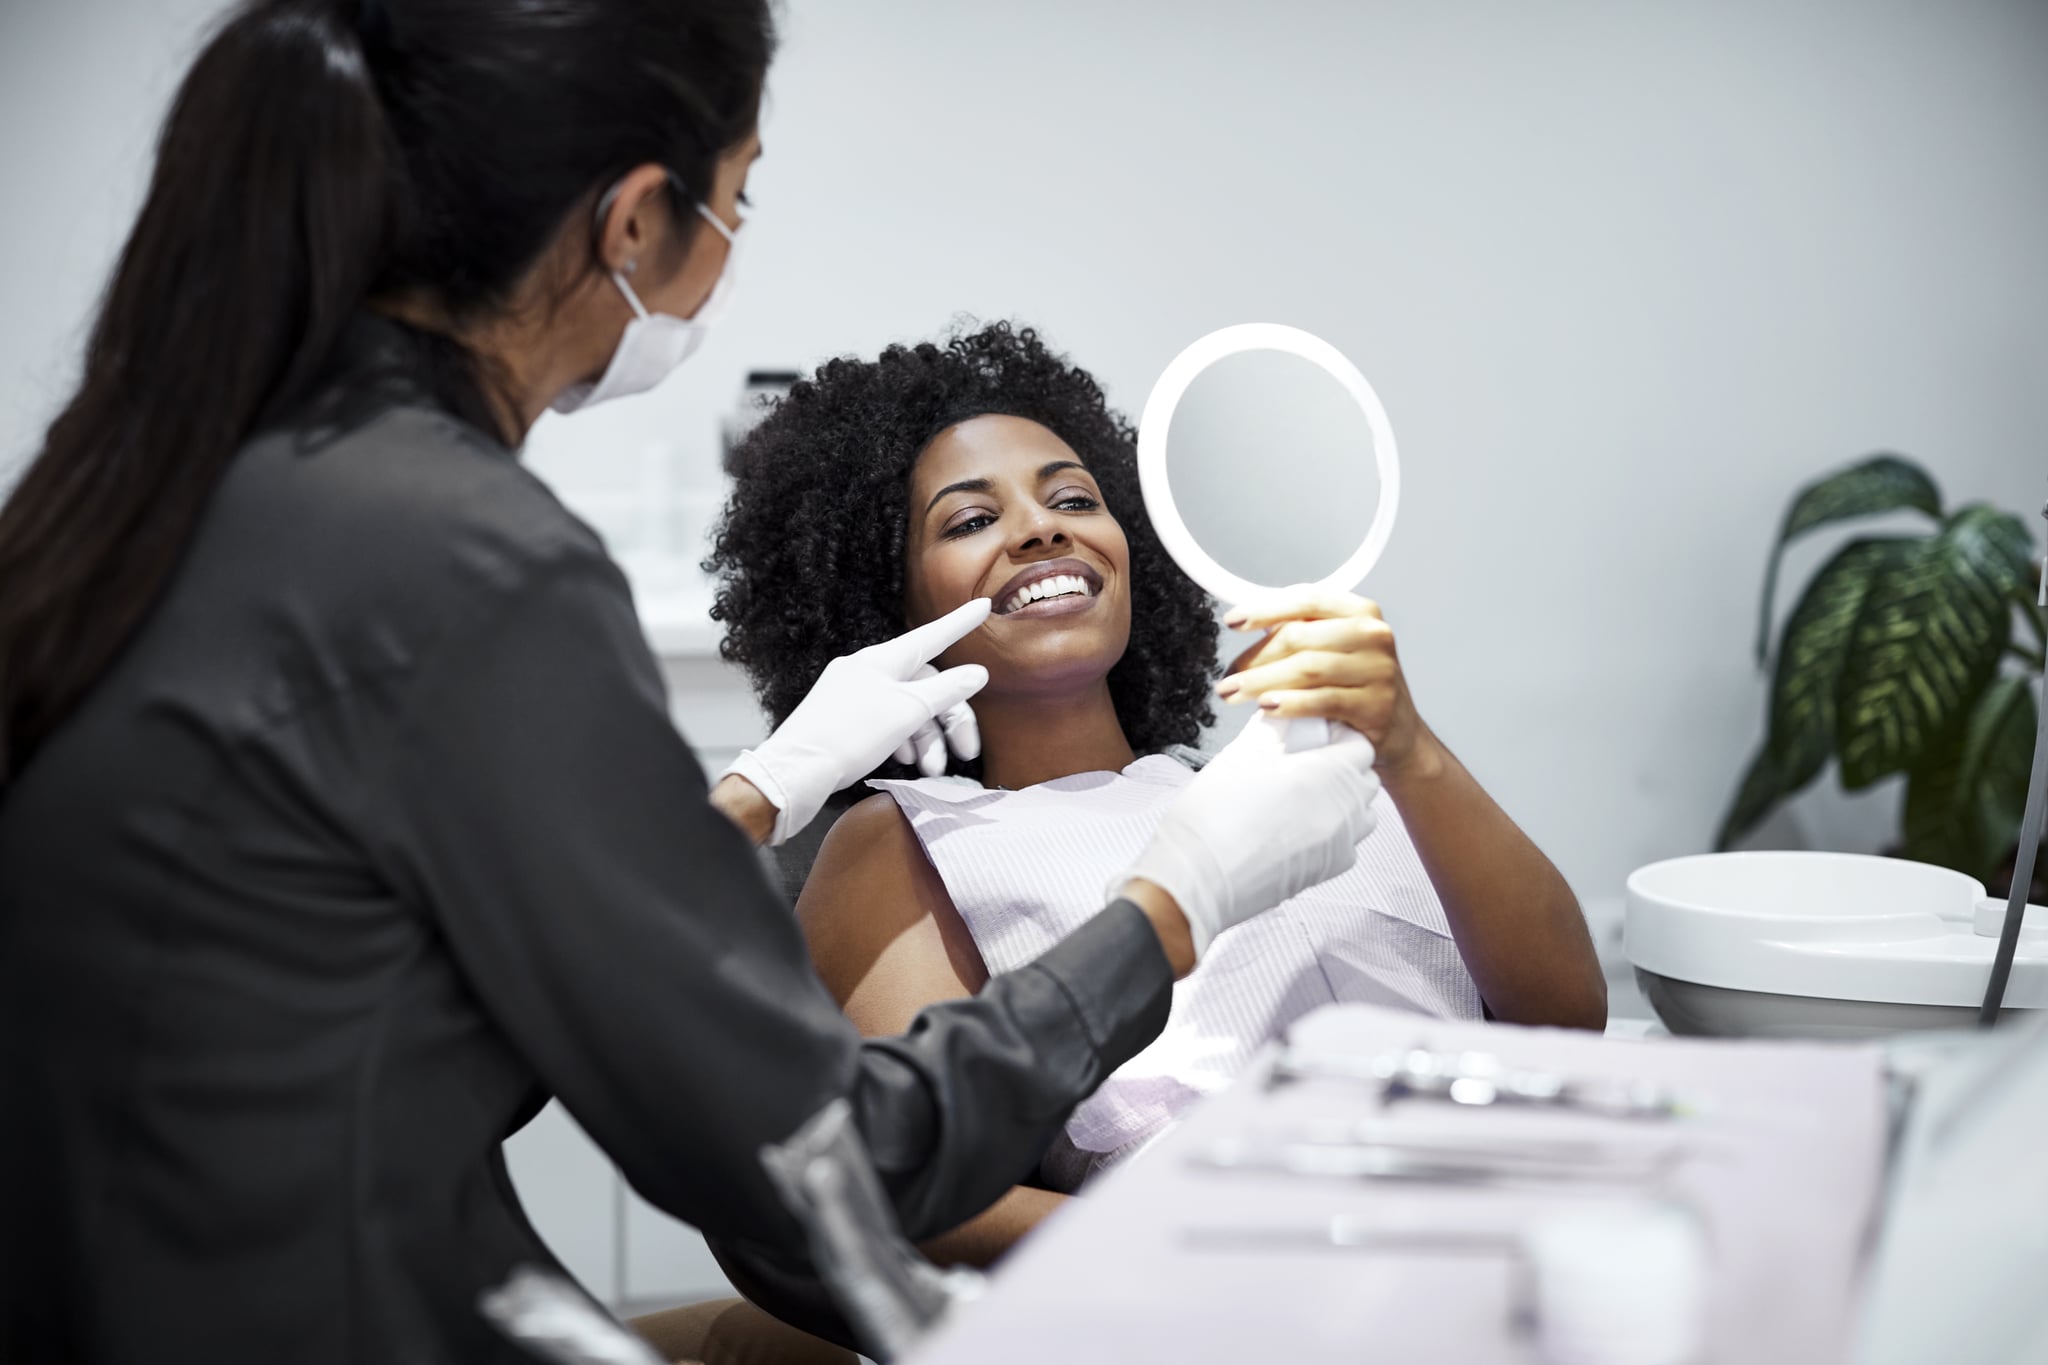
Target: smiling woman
887	493
816	540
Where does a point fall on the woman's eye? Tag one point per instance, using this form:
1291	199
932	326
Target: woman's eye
1077	502
969	526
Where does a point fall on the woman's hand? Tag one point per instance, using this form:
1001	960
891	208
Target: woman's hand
868	704
1328	654
1516	922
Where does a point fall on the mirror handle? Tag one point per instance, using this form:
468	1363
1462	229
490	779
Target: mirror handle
1313	733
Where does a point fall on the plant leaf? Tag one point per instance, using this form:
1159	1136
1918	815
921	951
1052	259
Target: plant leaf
1965	798
1926	642
1810	657
1880	483
1763	786
1995	544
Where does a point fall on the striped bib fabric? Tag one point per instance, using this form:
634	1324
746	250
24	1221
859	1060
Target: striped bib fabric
1026	868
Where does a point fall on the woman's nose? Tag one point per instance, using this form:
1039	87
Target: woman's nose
1038	529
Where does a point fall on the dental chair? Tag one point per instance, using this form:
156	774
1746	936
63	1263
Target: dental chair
789	863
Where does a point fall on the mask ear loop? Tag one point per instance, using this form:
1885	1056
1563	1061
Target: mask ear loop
604	208
619	279
704	211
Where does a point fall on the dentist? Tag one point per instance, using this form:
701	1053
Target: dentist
342	821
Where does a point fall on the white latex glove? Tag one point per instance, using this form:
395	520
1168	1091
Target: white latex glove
884	699
1258	825
954	728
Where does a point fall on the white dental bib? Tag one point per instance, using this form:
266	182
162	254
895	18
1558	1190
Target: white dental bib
1026	868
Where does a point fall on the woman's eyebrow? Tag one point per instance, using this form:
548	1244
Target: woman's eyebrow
1045	471
964	486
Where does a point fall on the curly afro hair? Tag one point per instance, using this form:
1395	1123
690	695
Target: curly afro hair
810	551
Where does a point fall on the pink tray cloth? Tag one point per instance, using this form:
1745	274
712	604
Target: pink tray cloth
1784	1172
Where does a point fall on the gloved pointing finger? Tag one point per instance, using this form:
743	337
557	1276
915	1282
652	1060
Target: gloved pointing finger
924	643
865	706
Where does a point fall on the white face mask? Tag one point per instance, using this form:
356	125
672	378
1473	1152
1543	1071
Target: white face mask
654	344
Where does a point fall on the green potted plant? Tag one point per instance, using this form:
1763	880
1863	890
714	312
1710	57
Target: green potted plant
1907	654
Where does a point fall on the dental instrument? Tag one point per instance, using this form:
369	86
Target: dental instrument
1422	1164
1478	1079
1349	1234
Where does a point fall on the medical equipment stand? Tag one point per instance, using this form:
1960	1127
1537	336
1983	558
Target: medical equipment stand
2030	842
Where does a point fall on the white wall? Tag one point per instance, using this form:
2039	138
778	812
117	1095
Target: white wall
1625	275
83	87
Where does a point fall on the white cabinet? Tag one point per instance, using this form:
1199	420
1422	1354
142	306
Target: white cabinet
712	706
665	1261
622	1249
571	1193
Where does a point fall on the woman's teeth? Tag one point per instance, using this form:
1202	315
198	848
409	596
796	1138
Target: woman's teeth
1059	585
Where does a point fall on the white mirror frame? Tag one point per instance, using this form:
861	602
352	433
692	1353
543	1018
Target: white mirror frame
1153	480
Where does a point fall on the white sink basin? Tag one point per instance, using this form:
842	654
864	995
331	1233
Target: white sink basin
1794	944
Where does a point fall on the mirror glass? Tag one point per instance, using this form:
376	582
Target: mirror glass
1271	463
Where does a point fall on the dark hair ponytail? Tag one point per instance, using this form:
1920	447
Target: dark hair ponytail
315	153
262	230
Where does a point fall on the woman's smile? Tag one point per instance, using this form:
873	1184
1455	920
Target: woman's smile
1064	603
1057	587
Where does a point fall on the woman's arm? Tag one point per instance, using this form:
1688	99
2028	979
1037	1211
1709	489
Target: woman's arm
888	941
1517	924
882	929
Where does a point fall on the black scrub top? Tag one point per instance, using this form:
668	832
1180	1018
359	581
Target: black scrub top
377	835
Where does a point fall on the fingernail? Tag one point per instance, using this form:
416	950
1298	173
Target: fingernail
1227	688
1269	703
1235	620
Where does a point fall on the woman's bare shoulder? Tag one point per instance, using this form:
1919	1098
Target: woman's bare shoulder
883	931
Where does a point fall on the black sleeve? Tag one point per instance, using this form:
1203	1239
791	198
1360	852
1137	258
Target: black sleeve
542	806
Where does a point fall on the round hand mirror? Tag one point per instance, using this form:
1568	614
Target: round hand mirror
1276	446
